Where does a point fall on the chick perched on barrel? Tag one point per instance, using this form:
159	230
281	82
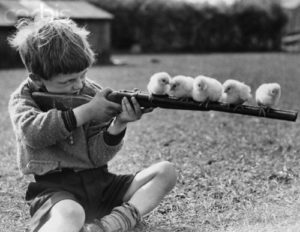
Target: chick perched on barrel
267	96
181	87
159	83
235	92
206	89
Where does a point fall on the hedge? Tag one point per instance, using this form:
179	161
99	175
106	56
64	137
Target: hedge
179	25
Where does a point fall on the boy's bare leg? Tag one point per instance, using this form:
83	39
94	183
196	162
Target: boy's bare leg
65	216
144	194
150	186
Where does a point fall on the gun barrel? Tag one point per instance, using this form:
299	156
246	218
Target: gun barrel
256	111
167	102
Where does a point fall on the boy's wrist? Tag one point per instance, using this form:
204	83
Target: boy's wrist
116	127
113	139
82	114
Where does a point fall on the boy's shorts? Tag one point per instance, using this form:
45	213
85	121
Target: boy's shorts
96	190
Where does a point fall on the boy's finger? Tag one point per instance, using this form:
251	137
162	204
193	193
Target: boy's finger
114	106
147	110
128	106
124	107
136	106
105	92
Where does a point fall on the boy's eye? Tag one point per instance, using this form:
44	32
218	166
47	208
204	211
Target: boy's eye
70	81
67	82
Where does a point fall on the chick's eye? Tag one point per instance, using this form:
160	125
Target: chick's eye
274	91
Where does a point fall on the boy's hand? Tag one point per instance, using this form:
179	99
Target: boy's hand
99	108
102	109
130	112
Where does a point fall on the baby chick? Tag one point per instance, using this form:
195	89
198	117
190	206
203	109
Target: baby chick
206	89
181	86
235	92
159	83
267	95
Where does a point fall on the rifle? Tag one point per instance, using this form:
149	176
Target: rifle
48	101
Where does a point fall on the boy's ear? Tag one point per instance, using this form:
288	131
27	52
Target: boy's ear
36	79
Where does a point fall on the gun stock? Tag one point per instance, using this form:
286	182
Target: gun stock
48	101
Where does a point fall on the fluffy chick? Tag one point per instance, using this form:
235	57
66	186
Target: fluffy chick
235	92
206	89
268	94
159	83
181	86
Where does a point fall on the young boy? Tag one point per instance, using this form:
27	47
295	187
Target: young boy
67	151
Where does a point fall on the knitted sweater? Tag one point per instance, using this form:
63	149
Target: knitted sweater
43	142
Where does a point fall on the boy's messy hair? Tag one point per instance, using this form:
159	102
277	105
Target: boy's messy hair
52	46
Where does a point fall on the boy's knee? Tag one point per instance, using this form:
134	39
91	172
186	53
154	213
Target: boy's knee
70	212
168	174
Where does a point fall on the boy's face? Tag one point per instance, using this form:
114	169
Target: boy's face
65	83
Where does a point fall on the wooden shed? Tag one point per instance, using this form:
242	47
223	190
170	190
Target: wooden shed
96	20
291	37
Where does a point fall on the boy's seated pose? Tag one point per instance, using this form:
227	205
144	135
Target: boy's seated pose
68	151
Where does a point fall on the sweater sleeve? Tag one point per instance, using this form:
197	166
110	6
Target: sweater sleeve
102	146
35	128
113	140
100	152
69	120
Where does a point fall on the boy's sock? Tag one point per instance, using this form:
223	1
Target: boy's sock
121	219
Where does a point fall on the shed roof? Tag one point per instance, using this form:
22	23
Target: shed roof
290	4
13	10
6	19
293	25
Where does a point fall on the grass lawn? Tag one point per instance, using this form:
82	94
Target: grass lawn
235	173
